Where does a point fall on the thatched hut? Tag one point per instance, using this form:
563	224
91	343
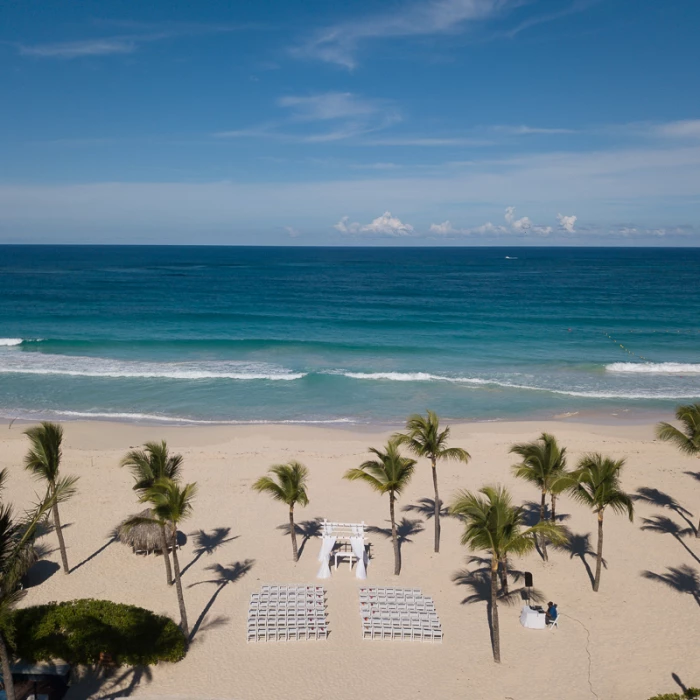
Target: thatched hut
143	538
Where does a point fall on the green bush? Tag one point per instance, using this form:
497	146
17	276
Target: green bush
689	694
80	631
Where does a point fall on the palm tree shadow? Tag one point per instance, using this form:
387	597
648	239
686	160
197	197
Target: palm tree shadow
579	545
223	576
105	683
207	543
694	475
306	529
682	579
426	508
96	553
404	530
478	582
661	499
663	525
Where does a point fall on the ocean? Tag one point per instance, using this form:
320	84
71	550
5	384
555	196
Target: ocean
345	335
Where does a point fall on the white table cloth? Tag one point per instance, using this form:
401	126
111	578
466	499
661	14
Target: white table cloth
532	619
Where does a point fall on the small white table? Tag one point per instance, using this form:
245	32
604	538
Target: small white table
347	553
533	619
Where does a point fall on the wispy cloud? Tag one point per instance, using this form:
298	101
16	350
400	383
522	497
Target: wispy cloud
427	141
142	33
524	130
686	128
88	47
339	43
384	225
347	114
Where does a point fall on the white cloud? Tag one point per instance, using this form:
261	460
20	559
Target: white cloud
339	43
122	43
525	130
428	141
687	128
567	223
444	229
384	225
349	115
515	226
77	49
293	232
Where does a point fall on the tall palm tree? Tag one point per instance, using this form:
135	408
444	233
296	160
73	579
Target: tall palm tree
493	524
44	461
388	473
16	546
290	488
596	484
147	466
170	504
543	465
686	440
425	439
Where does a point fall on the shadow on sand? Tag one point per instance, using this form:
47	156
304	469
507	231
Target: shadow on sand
222	577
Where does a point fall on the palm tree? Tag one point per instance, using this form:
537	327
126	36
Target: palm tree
290	488
686	440
16	547
495	525
170	504
596	484
389	473
425	439
44	461
544	465
148	465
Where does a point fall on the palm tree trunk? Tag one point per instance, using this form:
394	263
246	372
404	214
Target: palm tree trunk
504	575
394	536
495	631
599	555
554	508
59	531
543	541
180	598
166	557
437	507
292	530
6	672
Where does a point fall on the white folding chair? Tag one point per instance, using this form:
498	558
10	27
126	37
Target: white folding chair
553	624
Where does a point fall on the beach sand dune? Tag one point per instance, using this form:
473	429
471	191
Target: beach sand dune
624	642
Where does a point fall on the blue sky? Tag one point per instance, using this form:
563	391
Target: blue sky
423	122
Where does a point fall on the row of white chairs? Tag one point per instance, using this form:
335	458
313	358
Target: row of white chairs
273	588
419	605
407	632
375	590
285	633
318	604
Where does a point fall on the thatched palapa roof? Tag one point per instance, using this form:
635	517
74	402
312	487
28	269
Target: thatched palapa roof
141	537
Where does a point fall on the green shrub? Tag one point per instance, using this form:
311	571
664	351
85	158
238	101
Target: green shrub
79	631
689	694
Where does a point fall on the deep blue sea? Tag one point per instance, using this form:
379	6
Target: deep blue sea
349	335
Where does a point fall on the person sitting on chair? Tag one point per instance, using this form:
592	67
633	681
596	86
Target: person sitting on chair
552	614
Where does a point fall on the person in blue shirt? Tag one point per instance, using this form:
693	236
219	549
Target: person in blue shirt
552	612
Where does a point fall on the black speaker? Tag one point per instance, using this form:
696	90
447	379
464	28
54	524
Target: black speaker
528	579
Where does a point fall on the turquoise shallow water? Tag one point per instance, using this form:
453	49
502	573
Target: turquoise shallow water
353	335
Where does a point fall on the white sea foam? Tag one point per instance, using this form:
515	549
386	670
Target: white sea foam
9	342
479	381
75	366
654	367
156	417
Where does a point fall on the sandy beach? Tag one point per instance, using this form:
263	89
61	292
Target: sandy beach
624	642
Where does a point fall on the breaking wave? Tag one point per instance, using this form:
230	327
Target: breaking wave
654	367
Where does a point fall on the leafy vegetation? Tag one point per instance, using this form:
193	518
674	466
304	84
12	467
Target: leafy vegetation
85	631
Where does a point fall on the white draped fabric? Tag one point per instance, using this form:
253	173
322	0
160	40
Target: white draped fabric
358	549
327	544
